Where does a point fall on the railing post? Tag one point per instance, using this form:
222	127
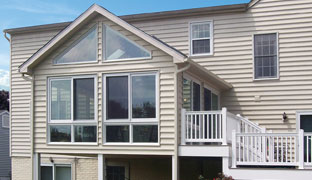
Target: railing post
183	129
301	149
224	126
234	158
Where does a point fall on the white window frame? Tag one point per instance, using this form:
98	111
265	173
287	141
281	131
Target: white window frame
53	165
213	91
192	79
124	59
202	87
3	125
75	43
72	123
298	116
210	22
277	58
130	122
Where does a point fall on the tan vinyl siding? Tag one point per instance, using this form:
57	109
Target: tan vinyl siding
160	62
233	59
22	47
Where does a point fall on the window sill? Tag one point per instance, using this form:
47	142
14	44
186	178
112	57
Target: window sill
127	59
71	144
76	63
133	144
201	56
267	79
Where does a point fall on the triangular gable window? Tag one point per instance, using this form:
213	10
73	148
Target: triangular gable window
82	50
117	46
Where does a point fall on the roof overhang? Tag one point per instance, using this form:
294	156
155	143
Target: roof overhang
209	76
149	16
25	68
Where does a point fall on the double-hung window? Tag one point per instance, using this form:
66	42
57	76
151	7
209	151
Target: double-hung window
131	106
265	56
201	38
72	112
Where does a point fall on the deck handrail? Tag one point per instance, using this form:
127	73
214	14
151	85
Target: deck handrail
249	126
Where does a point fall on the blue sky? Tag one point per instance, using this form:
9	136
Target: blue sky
20	13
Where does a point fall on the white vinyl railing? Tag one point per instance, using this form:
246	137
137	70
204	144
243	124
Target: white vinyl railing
213	126
269	149
248	126
202	126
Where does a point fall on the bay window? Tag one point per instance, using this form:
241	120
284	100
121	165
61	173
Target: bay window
130	114
72	110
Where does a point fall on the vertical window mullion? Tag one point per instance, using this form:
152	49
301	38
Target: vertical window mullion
72	100
72	133
72	109
130	106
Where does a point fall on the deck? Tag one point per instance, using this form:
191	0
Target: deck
223	134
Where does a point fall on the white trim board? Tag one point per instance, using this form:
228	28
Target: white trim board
204	151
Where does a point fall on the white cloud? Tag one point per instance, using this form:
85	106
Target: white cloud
4	79
39	7
4	60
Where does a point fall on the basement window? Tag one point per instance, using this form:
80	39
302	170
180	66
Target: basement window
56	172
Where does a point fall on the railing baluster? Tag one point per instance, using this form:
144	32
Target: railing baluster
287	149
192	127
307	148
203	126
187	127
310	153
244	151
239	148
220	127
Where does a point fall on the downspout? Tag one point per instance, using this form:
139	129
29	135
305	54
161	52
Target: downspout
10	96
31	104
176	73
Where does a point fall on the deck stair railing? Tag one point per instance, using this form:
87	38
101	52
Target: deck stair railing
213	126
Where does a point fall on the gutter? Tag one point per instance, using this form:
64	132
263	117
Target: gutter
6	37
31	105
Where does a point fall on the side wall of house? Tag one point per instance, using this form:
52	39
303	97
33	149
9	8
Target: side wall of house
233	57
160	63
5	163
23	46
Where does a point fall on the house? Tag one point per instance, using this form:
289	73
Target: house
166	95
5	160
